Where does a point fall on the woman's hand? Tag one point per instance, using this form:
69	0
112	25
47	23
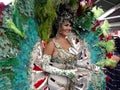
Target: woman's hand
77	73
71	73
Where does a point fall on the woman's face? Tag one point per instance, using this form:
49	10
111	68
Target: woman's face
65	28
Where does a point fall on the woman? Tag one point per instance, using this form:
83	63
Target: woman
58	51
61	55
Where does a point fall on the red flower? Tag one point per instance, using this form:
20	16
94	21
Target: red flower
79	11
43	44
83	4
109	37
93	28
97	23
109	55
107	79
101	37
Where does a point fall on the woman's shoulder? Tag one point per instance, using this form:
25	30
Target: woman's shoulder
49	48
51	42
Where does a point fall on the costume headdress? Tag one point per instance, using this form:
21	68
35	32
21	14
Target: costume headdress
64	13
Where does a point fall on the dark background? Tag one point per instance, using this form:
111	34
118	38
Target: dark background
107	5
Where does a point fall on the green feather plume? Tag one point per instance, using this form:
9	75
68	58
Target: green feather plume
14	28
97	11
105	28
45	14
108	45
107	62
100	43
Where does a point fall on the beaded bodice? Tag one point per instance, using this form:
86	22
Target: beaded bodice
63	57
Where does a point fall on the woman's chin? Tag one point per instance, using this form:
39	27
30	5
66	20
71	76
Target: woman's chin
67	33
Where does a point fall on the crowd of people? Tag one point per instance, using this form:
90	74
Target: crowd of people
113	74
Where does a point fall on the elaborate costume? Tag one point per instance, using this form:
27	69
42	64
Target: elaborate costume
60	67
22	22
64	60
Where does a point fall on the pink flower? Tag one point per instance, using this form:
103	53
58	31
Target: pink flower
2	6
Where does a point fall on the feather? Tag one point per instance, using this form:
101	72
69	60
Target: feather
14	28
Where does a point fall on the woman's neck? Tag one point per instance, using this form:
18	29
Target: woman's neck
62	37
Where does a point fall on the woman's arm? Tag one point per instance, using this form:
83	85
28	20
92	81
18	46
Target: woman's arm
47	54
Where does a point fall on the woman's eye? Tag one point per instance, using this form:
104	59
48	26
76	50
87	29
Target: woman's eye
67	25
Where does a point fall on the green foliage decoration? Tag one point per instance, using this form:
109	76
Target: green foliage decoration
45	14
107	62
105	28
14	28
5	83
8	62
7	48
85	21
26	7
108	45
97	11
7	74
89	28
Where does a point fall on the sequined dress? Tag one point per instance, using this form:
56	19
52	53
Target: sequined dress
63	60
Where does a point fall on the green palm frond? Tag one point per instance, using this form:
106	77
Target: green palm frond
97	11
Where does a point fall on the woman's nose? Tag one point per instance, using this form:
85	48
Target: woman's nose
69	27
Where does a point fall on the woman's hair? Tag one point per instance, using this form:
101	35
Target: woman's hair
64	13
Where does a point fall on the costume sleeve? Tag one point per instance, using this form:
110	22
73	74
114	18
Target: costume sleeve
56	71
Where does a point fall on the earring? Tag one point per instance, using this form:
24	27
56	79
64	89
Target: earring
57	33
